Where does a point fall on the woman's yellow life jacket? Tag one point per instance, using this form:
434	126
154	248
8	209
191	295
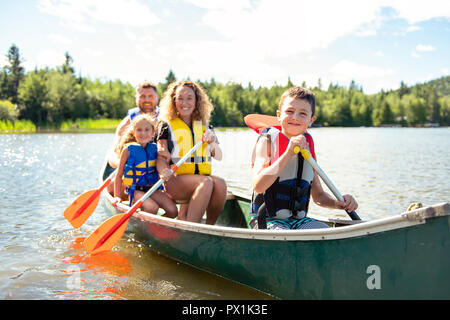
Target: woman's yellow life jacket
183	140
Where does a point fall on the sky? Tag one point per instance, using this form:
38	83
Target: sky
376	43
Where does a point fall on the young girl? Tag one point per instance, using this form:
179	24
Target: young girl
137	167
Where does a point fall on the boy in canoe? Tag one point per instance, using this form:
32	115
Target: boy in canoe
282	181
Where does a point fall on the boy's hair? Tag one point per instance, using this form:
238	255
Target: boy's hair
146	84
299	93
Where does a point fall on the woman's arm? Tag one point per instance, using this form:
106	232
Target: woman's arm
216	152
211	139
162	161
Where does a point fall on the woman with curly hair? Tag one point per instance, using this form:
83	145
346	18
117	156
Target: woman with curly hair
184	117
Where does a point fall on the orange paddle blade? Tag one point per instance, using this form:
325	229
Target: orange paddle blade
81	209
107	234
259	122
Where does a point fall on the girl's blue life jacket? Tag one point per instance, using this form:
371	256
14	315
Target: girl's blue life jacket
140	168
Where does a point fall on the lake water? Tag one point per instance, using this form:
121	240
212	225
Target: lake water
41	255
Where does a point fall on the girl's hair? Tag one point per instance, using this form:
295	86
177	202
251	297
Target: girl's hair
203	106
128	136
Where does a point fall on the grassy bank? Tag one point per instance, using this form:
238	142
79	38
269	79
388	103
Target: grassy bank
83	125
89	125
19	126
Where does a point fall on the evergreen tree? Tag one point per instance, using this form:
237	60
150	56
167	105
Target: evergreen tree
67	65
433	105
162	87
14	73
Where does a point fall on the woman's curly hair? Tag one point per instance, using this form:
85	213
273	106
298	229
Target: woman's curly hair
203	106
128	136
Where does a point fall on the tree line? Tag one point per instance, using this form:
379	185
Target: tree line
49	96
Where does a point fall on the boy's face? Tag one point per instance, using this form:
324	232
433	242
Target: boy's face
295	116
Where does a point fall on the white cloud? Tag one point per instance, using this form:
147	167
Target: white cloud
59	38
413	28
227	6
421	48
273	25
78	13
444	72
350	70
366	32
417	10
425	48
283	28
379	53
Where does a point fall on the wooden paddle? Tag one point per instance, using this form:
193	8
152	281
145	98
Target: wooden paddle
110	231
258	122
84	205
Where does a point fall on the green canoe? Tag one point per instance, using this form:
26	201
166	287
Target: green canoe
406	256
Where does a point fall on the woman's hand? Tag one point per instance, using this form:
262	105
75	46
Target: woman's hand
210	137
166	174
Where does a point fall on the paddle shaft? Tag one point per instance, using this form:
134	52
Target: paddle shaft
307	156
145	197
91	199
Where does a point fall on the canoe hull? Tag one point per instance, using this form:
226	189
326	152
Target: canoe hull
410	261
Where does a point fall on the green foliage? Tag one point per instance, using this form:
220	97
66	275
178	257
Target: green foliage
33	98
57	98
18	126
7	111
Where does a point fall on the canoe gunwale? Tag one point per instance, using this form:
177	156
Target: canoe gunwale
406	219
403	220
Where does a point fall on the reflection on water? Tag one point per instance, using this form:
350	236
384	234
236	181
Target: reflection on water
41	254
106	264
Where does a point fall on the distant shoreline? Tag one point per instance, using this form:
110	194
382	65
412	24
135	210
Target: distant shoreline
110	125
